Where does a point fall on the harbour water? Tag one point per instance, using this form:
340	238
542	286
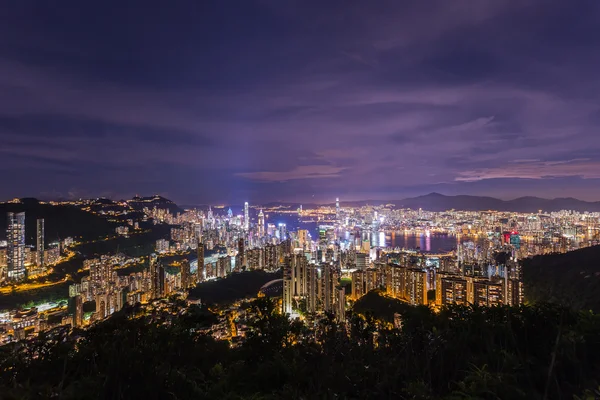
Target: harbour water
426	243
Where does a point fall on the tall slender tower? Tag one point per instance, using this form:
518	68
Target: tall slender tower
246	218
261	224
185	274
40	243
201	272
15	236
288	286
154	276
337	209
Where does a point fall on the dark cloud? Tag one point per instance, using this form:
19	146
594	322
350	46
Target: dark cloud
299	100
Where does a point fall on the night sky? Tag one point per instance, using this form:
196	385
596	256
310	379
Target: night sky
232	101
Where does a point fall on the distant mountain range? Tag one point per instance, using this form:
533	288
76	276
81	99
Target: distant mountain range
440	202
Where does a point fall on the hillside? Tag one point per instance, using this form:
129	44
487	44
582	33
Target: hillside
460	353
440	202
376	304
571	279
60	221
235	287
139	203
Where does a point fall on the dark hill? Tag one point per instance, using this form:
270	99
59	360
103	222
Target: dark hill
235	287
440	202
375	303
60	221
139	203
571	279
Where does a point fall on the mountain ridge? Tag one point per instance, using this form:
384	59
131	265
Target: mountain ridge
439	202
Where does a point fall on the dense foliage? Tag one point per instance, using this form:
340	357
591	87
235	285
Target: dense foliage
534	352
571	279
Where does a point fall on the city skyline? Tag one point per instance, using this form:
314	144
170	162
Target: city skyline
272	101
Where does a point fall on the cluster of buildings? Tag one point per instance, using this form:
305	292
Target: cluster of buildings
354	251
110	291
19	261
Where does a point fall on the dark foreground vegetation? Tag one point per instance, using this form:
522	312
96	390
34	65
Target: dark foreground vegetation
534	352
571	279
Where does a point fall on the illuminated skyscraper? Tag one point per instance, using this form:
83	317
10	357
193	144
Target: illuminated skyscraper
337	209
185	274
313	281
340	306
241	255
299	265
282	231
40	243
288	286
76	309
201	270
246	217
261	224
15	236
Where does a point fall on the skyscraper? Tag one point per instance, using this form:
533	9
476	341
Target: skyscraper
40	243
76	305
185	274
288	286
15	236
340	306
201	271
241	255
246	218
282	231
261	224
337	209
313	272
154	275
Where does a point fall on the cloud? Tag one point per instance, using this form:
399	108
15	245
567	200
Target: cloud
382	96
301	172
583	168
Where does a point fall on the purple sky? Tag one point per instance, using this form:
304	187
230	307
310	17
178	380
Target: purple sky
228	101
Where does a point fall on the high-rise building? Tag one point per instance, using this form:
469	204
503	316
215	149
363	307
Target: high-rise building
201	268
451	289
161	281
340	306
40	243
485	293
15	236
241	259
337	209
154	276
362	261
76	306
261	224
299	265
358	284
303	238
312	299
288	289
185	275
246	217
162	246
282	231
328	286
417	286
